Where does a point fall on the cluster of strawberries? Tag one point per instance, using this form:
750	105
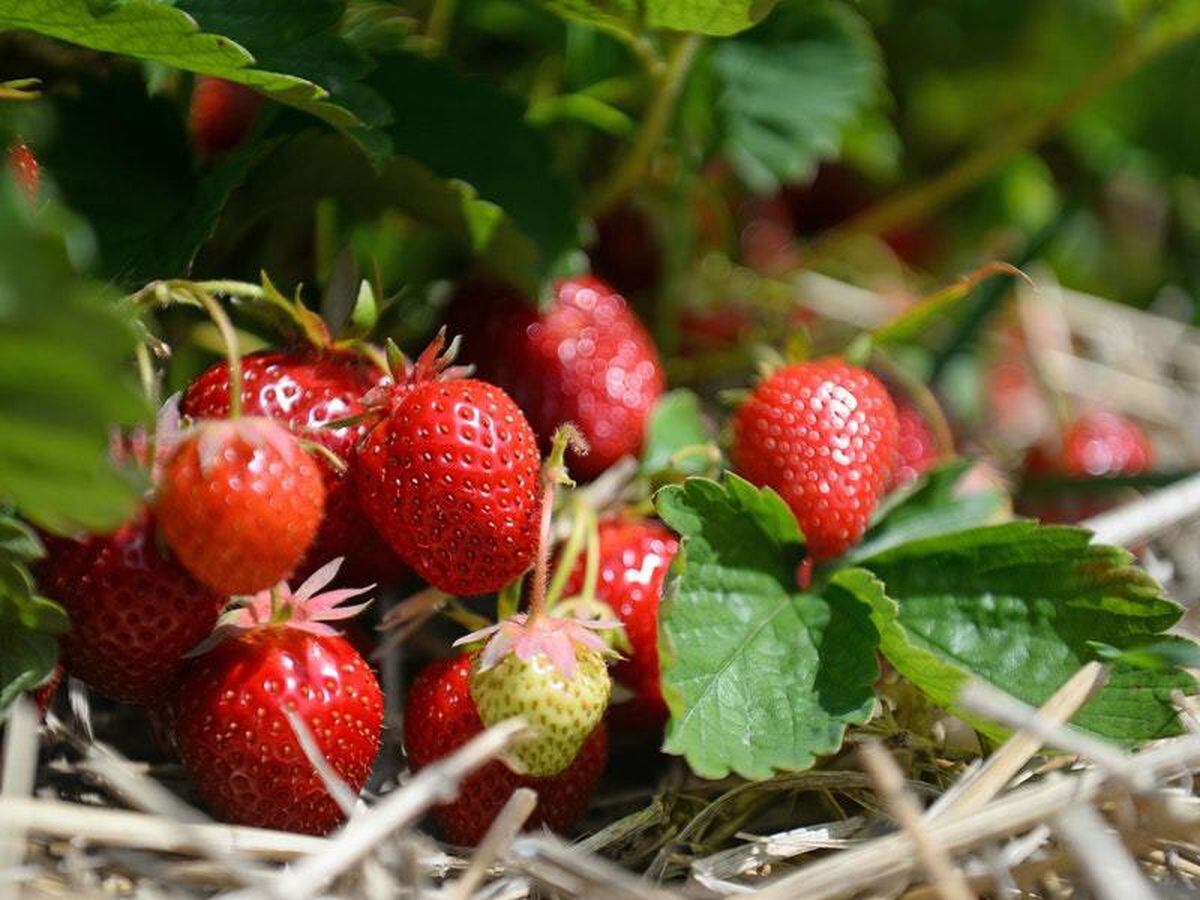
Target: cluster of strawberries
313	465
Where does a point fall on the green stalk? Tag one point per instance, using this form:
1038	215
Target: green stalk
658	117
228	337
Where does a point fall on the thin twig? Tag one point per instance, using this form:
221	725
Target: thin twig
856	869
498	838
1148	517
345	798
658	117
147	794
438	783
561	868
16	783
889	781
995	705
987	781
144	831
1103	860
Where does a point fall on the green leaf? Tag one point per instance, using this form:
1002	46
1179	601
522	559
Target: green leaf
786	91
486	143
149	206
1160	656
65	380
28	623
932	505
1018	605
299	37
159	32
626	18
311	166
734	520
28	648
676	425
713	17
758	676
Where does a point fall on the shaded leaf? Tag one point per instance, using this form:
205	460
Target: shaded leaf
149	206
160	32
486	143
65	381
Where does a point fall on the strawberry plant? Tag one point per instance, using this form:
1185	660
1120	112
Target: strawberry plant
623	354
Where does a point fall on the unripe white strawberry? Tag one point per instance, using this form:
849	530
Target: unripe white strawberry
551	673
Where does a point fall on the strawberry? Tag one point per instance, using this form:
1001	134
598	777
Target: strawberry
1096	444
239	503
823	435
552	673
25	171
134	612
229	715
916	447
449	476
440	717
43	695
1101	443
586	360
635	555
221	114
305	390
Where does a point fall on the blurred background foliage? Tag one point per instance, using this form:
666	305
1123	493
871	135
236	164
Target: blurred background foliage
696	154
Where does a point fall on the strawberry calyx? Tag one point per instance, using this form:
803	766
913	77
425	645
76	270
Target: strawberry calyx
213	436
305	609
550	636
435	363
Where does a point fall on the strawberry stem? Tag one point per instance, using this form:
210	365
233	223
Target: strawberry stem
570	552
228	337
554	473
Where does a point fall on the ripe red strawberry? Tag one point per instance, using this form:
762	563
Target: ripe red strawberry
221	114
586	360
450	477
43	696
916	447
822	434
229	713
440	717
23	166
240	503
134	612
635	555
304	391
1105	443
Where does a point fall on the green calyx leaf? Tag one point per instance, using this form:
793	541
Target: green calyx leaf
758	676
1019	605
